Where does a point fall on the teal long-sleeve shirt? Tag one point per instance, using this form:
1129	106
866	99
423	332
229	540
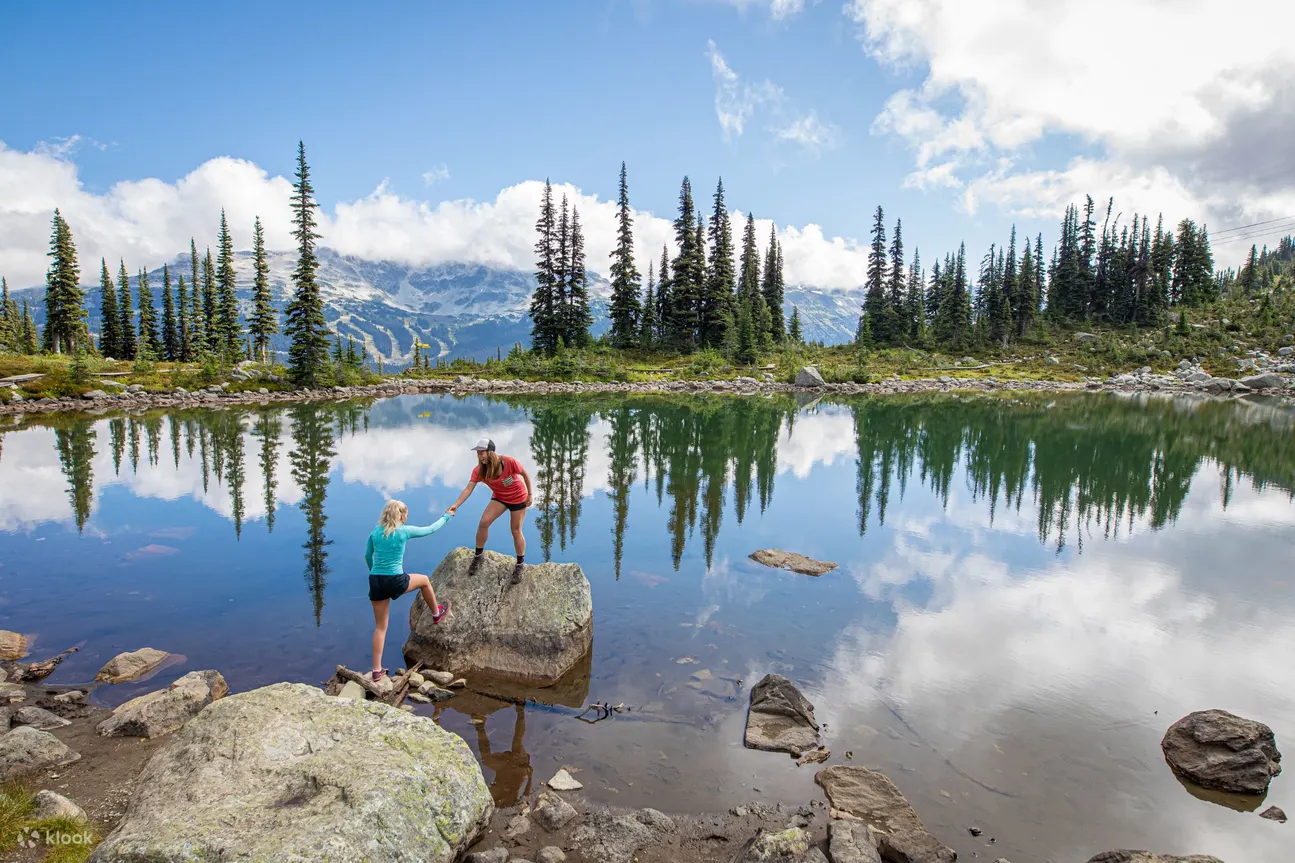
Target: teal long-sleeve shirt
385	554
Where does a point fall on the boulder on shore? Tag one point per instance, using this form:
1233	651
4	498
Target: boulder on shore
809	377
128	666
165	710
1265	381
26	750
1148	857
12	646
780	559
792	845
780	718
1216	749
535	631
871	796
50	804
287	773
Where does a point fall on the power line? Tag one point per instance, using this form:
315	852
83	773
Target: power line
1250	235
1252	225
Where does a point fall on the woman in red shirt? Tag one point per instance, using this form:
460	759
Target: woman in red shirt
510	488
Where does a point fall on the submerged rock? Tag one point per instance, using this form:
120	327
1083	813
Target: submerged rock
779	559
1216	749
1148	857
288	773
535	631
874	798
128	666
26	750
165	710
780	718
809	377
1274	813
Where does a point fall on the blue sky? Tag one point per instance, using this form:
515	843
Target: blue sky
447	102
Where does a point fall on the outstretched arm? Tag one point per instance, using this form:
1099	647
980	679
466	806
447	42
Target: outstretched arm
430	529
471	487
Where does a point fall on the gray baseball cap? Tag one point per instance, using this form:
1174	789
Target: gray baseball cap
484	444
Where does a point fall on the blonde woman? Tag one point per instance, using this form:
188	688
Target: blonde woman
385	556
510	487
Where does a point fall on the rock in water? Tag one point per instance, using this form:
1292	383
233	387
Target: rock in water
288	773
12	646
26	750
564	781
1274	813
780	718
51	805
1148	857
534	632
851	842
779	559
165	710
809	377
128	666
1216	749
873	797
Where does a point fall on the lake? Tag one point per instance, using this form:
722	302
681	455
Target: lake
1031	588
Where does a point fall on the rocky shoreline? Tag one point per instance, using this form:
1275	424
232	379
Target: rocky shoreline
1189	378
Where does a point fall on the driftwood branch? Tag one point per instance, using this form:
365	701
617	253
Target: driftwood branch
399	685
40	670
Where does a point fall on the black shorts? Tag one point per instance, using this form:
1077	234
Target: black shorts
512	507
387	586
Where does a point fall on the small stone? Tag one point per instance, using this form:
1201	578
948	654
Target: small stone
441	678
1274	813
458	683
809	377
418	698
974	831
38	717
564	781
516	827
351	689
416	680
1053	361
12	692
52	805
75	696
552	812
738	811
494	855
550	854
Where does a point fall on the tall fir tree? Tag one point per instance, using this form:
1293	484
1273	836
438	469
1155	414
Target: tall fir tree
748	284
953	318
210	306
128	342
305	325
647	318
681	320
183	316
625	309
8	331
264	323
895	287
109	315
148	342
876	302
562	283
747	340
772	287
1025	302
578	319
30	336
700	274
721	280
231	333
197	313
170	326
794	334
663	299
65	316
544	310
913	324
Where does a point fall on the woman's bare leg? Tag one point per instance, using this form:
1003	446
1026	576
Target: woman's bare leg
424	584
494	509
519	539
381	613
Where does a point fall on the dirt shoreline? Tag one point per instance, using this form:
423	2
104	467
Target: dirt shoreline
217	397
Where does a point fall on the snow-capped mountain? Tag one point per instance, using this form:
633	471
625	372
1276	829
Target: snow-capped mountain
459	309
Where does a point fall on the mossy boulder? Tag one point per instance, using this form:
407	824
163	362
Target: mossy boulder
535	631
286	773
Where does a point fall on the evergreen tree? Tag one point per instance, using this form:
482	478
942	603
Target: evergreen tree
126	330
793	328
197	314
30	335
1086	286
663	299
561	296
721	280
211	306
648	319
1024	301
1249	279
7	336
895	287
685	293
170	328
544	312
933	292
625	310
876	305
772	287
700	274
305	324
184	317
747	340
264	323
65	315
953	318
148	337
231	333
914	318
578	319
109	315
748	284
763	320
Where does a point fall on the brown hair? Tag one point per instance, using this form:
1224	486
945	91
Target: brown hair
492	467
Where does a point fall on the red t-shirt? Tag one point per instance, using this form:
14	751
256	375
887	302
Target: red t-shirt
510	487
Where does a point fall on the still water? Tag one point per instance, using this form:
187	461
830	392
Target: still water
1030	589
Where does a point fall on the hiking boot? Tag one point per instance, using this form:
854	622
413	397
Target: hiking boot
476	564
518	571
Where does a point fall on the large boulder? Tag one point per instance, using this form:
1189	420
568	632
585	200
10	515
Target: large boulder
1216	749
900	834
287	773
809	377
27	749
1148	857
12	646
165	710
1268	380
780	718
535	631
128	666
